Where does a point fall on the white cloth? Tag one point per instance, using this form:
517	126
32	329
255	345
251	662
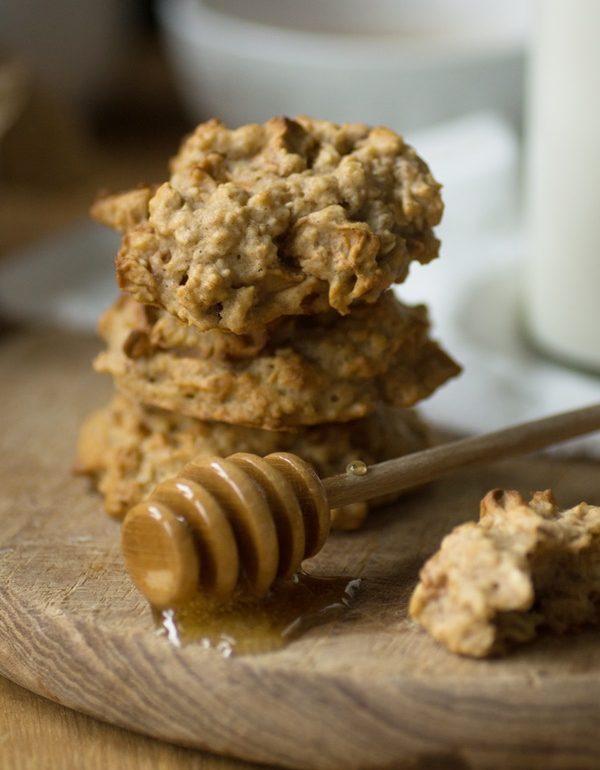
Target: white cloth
473	290
66	280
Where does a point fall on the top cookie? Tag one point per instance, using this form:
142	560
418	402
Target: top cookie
291	217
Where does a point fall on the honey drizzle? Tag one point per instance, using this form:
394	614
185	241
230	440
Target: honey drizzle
248	625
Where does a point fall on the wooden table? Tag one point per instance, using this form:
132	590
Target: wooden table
36	734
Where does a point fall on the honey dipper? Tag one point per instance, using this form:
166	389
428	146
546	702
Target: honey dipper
261	517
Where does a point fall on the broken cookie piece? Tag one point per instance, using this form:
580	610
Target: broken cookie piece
291	217
522	568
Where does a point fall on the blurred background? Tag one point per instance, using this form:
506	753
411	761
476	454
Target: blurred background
96	96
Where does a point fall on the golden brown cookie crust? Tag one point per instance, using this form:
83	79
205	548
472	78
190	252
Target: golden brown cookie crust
286	218
304	371
128	448
522	567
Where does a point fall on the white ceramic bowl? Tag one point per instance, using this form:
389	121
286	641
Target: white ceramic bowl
403	63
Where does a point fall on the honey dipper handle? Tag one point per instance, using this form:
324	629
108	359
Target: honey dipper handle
403	472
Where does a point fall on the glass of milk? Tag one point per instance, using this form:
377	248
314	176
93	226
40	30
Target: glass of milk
562	302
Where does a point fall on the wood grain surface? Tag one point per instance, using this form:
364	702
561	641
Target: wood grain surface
37	734
370	690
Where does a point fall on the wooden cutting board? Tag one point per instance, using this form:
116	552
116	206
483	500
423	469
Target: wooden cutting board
368	690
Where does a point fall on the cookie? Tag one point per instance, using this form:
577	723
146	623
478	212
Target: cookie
523	567
287	218
128	448
302	371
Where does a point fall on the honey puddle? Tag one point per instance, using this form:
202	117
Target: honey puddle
248	625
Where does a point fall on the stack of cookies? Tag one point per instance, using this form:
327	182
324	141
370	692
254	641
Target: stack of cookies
257	314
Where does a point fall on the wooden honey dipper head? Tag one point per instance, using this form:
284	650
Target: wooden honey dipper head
222	520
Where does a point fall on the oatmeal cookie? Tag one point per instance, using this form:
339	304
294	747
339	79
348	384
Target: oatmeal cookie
286	218
128	448
303	371
522	567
